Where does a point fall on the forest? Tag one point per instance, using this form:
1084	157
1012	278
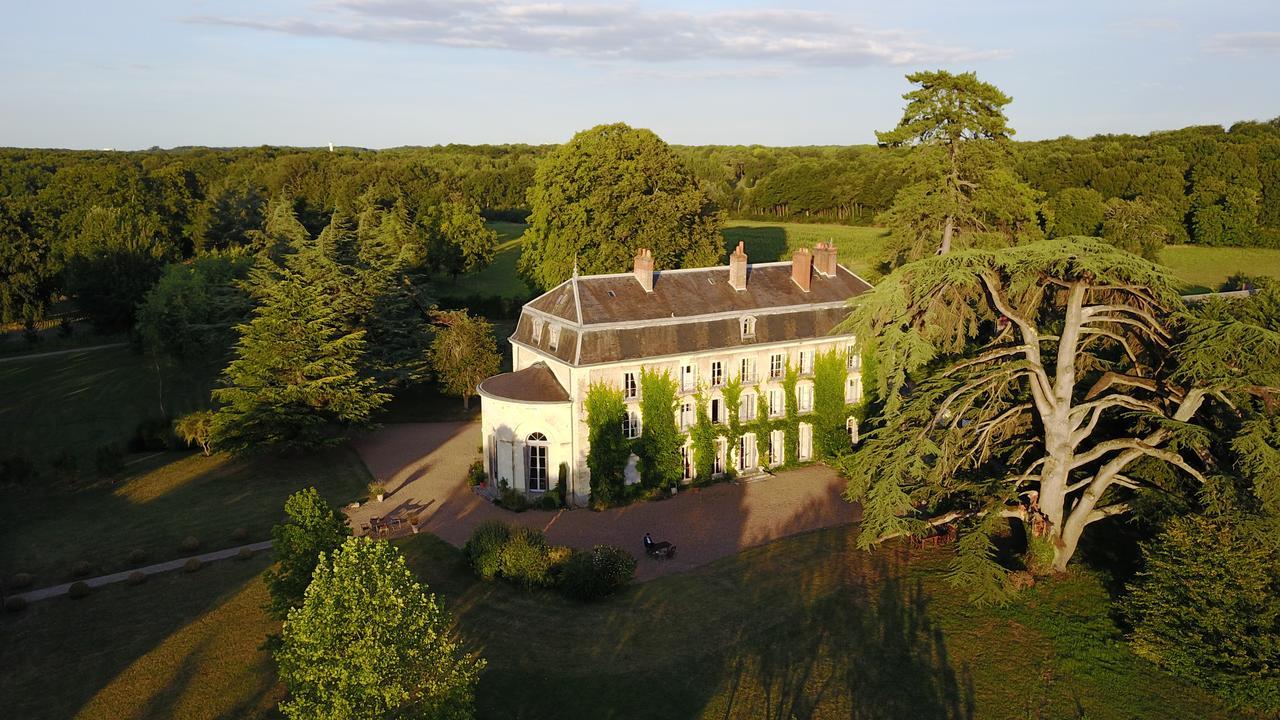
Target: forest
60	211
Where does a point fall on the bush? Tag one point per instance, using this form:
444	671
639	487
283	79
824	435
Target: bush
81	568
137	556
597	574
192	565
240	533
375	489
15	604
524	560
109	460
21	580
190	543
513	500
245	553
475	474
484	546
137	577
548	501
78	590
65	466
17	469
153	435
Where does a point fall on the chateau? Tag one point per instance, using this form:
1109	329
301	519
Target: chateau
703	326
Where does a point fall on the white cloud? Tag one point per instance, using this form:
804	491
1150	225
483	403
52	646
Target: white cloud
599	30
1243	42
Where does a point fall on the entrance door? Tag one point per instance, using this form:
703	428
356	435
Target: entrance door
747	452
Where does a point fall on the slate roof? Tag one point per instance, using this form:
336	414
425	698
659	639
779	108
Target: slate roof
535	383
610	318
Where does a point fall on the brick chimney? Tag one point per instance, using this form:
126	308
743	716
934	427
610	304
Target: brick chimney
824	259
738	268
802	268
644	269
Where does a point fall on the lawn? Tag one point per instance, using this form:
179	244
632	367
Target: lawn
805	627
159	501
1205	268
857	248
499	278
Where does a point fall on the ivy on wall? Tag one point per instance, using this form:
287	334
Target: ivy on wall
703	439
660	440
830	372
610	450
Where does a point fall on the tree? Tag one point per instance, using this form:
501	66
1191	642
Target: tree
113	262
459	239
1136	225
658	448
1028	383
312	529
463	353
607	193
369	641
609	451
25	265
1206	607
196	429
295	381
954	123
1076	211
191	311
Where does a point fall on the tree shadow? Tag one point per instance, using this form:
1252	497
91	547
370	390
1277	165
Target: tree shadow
762	244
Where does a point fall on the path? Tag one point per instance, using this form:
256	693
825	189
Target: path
60	590
424	466
36	356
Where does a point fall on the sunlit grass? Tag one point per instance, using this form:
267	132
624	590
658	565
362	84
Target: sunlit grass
1206	268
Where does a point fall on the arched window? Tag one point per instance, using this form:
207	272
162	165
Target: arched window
748	327
535	449
851	425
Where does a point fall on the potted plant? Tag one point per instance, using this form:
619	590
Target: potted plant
414	519
377	490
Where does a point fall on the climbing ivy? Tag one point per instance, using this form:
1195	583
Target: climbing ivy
830	372
660	440
610	450
791	415
703	439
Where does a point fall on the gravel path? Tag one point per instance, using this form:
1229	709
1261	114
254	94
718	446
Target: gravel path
424	465
60	590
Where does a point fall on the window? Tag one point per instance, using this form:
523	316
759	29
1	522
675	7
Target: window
776	365
536	461
686	415
852	390
851	426
747	452
804	398
553	337
716	414
806	362
806	442
537	330
852	360
629	386
631	425
686	460
747	411
689	378
748	370
717	373
717	463
777	453
748	327
776	407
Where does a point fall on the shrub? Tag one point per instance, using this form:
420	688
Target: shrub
475	474
597	574
65	466
244	553
78	590
190	543
195	429
109	460
137	577
65	328
513	500
376	489
137	556
524	560
548	501
192	565
240	533
81	568
152	435
482	549
21	580
15	604
17	469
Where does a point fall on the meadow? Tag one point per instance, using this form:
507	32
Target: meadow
804	627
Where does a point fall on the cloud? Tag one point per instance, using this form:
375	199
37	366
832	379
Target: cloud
601	30
1244	42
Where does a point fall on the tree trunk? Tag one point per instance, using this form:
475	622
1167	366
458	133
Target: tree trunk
947	231
466	402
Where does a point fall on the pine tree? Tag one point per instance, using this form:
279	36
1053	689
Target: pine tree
296	379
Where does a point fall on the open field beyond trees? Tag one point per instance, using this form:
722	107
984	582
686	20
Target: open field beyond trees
808	626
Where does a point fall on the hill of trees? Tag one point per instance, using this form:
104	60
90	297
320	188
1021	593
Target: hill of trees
68	217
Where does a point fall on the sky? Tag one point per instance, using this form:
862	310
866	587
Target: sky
128	74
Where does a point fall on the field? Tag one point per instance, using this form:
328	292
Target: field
499	278
805	627
1205	268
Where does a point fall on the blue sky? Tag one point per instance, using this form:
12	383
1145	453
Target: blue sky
381	73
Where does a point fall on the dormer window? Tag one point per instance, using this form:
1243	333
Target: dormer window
553	337
537	330
748	327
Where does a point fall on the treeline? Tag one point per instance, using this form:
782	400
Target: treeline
1207	185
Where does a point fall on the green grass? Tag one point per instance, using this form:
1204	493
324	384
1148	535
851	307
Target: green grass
805	627
159	501
86	399
499	278
1206	268
857	248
